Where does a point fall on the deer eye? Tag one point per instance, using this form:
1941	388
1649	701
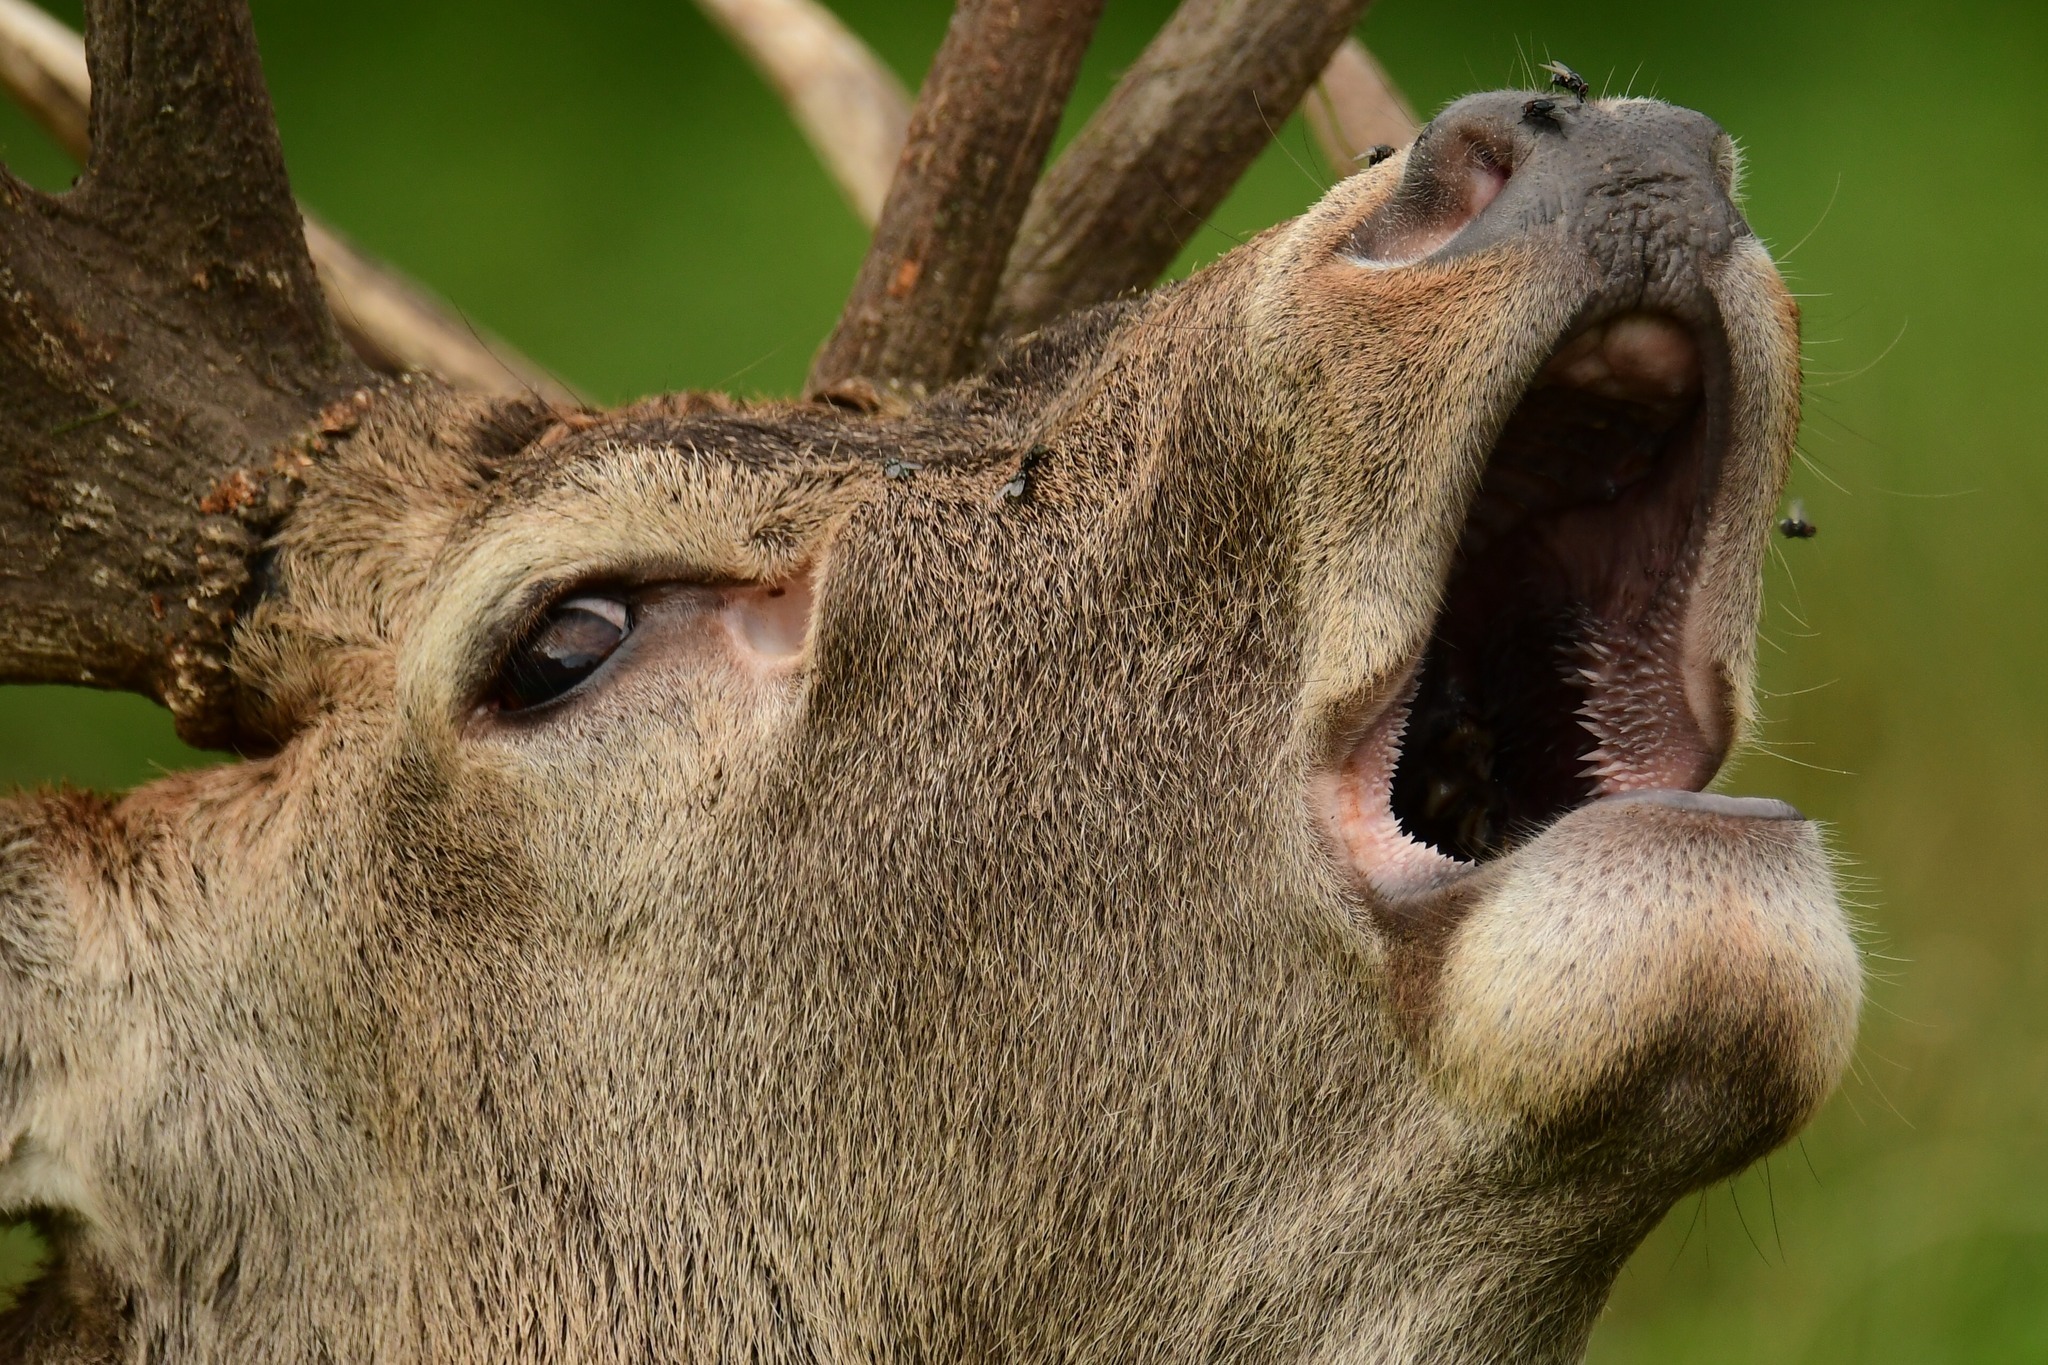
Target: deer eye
567	645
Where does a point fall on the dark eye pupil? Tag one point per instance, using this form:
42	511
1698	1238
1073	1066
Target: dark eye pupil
568	645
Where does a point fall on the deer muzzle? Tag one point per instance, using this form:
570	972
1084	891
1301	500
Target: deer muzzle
1592	367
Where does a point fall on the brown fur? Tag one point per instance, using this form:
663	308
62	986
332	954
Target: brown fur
985	988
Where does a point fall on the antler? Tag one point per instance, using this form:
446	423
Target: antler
984	118
1157	158
851	107
1355	107
163	339
390	321
853	111
1176	134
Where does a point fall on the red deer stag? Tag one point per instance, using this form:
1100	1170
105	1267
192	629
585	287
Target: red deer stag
1123	826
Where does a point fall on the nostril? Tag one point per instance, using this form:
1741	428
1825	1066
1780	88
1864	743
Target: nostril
1442	189
1484	179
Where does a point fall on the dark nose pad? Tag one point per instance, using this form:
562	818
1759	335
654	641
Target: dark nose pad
1642	190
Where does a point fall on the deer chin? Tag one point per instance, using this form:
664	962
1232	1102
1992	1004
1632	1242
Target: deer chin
1559	669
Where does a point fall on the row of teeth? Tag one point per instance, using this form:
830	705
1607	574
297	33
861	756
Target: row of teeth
1630	696
1632	693
1400	862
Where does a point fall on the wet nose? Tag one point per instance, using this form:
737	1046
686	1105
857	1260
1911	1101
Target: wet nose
1642	191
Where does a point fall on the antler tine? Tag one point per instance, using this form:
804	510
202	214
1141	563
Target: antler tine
42	64
853	111
162	344
851	107
391	322
395	324
977	138
1355	107
1178	130
186	169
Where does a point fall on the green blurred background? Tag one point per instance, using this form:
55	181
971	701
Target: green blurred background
609	187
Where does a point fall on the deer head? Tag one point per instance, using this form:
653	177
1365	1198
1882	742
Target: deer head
1152	826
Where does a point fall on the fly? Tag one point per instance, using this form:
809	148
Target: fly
1795	526
1564	78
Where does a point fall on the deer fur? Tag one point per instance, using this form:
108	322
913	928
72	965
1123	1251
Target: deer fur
981	983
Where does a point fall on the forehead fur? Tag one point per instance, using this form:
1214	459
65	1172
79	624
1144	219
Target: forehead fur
406	485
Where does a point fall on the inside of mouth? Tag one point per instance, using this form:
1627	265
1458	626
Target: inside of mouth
1555	671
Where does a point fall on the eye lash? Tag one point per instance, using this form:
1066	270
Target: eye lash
541	598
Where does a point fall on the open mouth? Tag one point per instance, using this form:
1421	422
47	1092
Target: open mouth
1556	672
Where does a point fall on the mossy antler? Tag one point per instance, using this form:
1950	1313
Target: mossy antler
165	339
393	323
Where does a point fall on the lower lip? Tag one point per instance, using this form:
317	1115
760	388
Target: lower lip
1710	803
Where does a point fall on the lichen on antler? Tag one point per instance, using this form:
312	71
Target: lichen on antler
164	343
984	118
391	322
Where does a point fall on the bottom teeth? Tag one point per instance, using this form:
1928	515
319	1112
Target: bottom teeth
1633	710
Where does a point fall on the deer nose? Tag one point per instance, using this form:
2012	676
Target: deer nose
1641	191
